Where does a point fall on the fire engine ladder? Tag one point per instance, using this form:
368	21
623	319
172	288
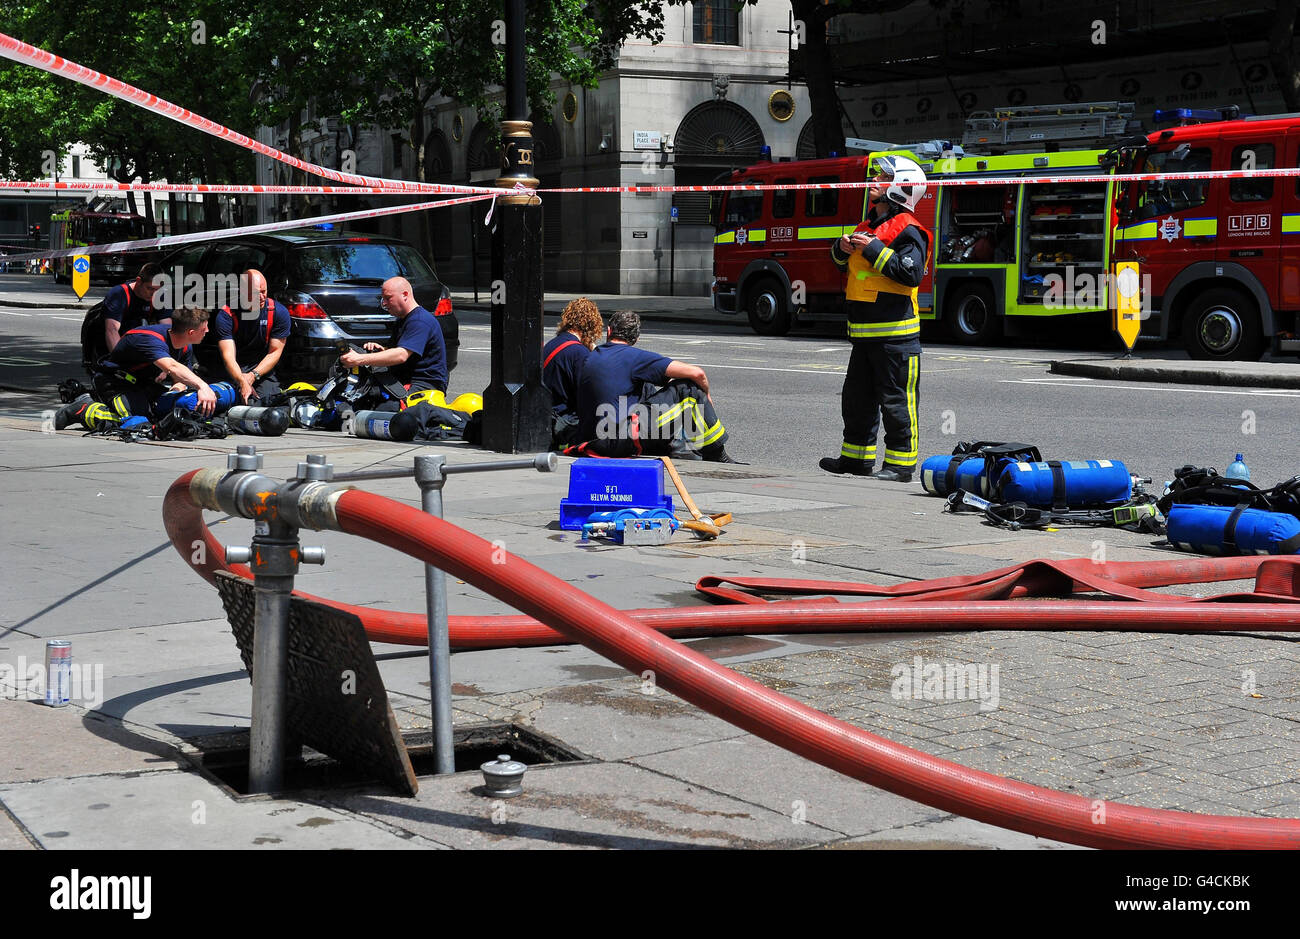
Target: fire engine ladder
1031	127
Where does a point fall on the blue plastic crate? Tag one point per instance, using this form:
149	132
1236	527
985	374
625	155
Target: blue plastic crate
604	485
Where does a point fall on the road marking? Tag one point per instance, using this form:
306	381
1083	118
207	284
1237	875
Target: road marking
14	313
797	371
1136	386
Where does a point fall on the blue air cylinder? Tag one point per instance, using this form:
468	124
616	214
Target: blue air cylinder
1204	529
970	476
227	397
1086	483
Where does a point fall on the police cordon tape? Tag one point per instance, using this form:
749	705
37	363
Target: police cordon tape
227	188
22	52
19	51
121	247
239	189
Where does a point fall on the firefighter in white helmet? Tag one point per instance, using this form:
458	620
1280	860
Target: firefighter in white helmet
886	258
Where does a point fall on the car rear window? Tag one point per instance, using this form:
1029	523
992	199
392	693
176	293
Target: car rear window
360	262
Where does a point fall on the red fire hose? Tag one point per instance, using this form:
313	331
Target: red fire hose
779	719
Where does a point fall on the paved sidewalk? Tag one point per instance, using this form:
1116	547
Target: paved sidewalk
1152	719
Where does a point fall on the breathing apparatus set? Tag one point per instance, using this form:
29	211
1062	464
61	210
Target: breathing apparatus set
1013	486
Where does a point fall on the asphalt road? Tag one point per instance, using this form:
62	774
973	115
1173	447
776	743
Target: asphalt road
779	398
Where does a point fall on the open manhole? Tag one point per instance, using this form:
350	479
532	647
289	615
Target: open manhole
223	758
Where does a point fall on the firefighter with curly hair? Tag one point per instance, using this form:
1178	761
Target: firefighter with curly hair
581	329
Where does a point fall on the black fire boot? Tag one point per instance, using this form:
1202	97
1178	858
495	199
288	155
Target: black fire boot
844	464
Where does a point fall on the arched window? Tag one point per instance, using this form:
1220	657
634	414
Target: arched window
437	157
712	138
719	133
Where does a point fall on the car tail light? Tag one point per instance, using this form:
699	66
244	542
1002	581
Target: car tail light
303	307
443	307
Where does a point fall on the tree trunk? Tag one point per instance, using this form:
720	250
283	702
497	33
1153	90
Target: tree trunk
828	130
1281	54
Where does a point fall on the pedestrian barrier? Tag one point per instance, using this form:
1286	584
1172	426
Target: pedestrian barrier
557	611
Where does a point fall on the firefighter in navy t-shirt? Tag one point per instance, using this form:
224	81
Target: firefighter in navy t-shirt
580	329
419	359
150	360
129	305
252	338
621	413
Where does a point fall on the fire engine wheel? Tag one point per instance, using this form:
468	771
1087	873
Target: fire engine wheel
972	317
1223	324
769	314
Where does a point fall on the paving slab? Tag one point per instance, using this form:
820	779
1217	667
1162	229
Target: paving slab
603	805
41	742
760	772
175	811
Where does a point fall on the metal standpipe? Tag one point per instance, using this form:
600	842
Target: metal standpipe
273	558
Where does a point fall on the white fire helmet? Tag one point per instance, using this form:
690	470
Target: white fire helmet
908	183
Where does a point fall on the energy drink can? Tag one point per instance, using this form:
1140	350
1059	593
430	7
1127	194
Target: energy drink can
58	672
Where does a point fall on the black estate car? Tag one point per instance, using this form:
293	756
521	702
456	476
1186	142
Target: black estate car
329	282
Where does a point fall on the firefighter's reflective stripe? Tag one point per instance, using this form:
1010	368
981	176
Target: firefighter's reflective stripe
908	327
856	451
1200	227
706	436
907	458
1290	224
884	255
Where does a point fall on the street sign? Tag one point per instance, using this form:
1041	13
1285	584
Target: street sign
81	274
673	216
1128	302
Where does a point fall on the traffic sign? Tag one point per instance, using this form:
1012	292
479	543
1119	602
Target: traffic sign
81	274
673	216
1128	302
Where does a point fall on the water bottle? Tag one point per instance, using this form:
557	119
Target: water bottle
1238	469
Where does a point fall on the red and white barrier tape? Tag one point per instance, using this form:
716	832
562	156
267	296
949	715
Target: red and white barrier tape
193	237
1073	179
19	51
221	188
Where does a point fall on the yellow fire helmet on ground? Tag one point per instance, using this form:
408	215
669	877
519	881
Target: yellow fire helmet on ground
469	402
431	396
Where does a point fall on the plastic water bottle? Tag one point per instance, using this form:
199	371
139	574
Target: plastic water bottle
1237	469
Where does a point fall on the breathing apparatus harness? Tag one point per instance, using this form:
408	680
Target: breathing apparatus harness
1138	514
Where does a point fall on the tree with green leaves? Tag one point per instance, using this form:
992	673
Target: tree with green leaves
166	47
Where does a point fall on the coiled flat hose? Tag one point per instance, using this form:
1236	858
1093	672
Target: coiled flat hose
776	718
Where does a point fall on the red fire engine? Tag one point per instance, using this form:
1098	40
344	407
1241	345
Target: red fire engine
1220	259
